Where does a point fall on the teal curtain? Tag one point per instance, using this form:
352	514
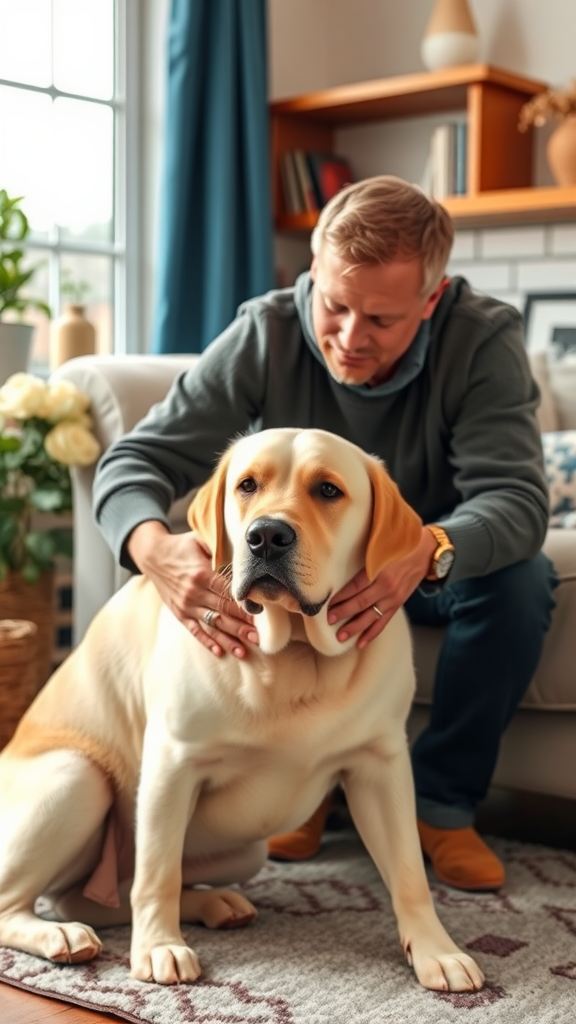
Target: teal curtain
215	237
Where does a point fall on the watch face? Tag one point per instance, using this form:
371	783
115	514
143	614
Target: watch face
444	563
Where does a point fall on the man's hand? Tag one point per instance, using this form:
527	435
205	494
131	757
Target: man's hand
387	592
182	573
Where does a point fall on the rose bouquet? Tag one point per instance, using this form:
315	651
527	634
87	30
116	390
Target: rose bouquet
44	429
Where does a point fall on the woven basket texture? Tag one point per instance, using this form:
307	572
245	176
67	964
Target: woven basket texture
18	646
33	602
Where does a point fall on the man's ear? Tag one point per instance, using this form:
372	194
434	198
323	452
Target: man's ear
396	527
206	515
433	299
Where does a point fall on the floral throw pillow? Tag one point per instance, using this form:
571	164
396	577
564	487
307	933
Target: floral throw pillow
560	466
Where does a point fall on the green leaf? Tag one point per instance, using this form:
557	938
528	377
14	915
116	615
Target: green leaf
40	544
9	443
46	499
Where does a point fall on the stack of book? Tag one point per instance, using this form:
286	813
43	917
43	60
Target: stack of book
310	180
448	163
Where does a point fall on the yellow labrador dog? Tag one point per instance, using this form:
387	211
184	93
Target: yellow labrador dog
209	756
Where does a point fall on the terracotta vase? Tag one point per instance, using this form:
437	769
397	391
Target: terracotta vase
34	602
450	37
561	152
72	335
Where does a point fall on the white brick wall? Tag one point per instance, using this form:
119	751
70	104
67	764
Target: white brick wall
511	262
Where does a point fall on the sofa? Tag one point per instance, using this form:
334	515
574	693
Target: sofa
538	750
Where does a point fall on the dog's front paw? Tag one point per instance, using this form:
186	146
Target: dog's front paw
167	965
70	943
448	972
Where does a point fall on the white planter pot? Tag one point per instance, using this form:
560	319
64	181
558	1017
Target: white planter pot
15	345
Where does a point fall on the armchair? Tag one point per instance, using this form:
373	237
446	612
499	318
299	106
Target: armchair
538	749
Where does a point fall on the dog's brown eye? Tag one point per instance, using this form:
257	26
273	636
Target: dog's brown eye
328	490
247	486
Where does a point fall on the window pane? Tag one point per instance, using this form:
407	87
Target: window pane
38	288
25	29
83	133
25	154
94	275
84	29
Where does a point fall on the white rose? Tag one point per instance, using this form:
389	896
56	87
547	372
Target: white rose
22	396
63	401
71	443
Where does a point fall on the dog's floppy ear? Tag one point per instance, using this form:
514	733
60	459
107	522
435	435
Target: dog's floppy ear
396	527
206	515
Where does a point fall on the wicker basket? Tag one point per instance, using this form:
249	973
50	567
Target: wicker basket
18	642
33	602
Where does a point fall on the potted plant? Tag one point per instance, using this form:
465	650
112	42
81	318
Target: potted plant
559	105
15	335
44	429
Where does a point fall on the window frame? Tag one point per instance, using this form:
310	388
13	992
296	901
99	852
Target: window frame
123	250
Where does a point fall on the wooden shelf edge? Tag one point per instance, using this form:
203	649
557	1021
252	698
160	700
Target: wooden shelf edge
506	206
512	206
404	85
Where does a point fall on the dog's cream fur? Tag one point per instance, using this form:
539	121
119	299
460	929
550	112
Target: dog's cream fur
212	756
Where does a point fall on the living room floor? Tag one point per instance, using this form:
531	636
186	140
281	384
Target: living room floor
511	815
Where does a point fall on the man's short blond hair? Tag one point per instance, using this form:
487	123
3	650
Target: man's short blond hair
384	219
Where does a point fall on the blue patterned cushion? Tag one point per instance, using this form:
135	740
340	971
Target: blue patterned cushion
560	466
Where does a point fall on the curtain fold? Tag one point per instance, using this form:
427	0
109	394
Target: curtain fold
215	237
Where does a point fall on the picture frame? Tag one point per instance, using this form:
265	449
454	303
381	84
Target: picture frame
550	322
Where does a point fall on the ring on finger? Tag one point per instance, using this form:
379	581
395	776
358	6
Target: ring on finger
210	617
377	610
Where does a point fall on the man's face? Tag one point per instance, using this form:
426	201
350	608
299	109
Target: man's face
365	317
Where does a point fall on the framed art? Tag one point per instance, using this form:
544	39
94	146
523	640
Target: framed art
550	322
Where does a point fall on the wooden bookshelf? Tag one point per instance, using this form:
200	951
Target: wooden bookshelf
499	181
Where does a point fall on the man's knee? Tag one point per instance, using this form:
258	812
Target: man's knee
523	590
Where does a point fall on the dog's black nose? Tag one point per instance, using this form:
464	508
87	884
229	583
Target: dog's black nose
268	539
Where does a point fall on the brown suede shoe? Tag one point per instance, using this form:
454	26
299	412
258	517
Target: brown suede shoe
305	841
460	858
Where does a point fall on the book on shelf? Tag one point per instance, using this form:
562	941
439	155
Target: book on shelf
293	200
330	173
310	180
305	182
448	160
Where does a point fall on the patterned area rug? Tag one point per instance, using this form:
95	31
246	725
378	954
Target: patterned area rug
324	951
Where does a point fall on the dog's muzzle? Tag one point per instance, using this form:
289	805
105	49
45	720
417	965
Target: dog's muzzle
269	568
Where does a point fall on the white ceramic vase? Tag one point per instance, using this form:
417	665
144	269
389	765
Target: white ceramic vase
450	37
15	345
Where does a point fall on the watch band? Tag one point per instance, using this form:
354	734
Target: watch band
443	555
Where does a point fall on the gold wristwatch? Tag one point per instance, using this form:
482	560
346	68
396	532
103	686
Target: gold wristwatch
443	556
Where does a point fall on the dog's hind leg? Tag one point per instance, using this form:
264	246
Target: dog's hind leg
51	814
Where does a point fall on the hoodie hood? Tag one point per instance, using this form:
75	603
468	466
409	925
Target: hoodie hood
408	367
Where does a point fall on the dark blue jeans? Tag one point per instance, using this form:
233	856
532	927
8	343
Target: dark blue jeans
495	630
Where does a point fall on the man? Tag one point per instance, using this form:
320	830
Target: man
377	344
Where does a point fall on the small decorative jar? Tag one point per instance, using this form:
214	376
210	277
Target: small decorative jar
450	37
72	335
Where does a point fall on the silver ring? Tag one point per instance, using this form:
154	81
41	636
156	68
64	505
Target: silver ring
377	610
210	617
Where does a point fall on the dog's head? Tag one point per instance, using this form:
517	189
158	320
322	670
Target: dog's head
296	514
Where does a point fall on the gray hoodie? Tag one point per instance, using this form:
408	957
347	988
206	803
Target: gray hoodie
455	425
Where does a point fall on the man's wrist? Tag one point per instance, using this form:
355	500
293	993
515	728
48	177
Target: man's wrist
143	541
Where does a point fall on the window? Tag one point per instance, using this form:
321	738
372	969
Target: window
65	69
